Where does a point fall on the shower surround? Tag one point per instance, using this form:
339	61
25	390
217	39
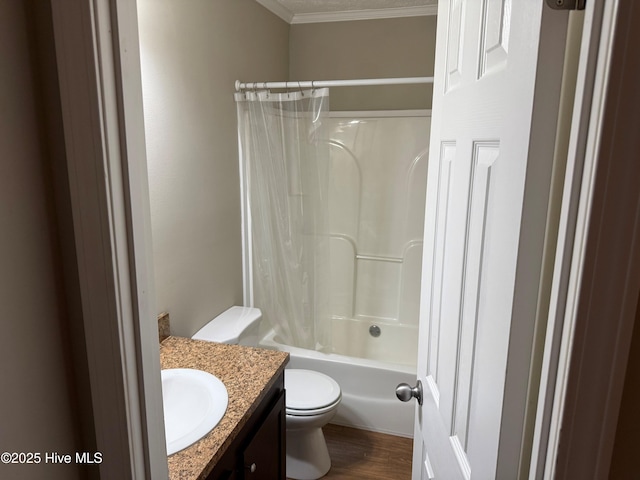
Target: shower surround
376	202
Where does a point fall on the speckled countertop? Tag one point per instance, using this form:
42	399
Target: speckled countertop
247	372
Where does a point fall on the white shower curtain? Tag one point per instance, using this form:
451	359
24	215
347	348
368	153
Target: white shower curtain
285	162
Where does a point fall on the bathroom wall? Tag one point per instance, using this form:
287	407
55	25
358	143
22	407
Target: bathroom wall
38	400
396	47
192	53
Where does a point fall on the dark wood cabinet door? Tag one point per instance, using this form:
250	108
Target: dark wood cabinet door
228	475
258	452
263	457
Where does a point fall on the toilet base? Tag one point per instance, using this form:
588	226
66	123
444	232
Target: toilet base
307	454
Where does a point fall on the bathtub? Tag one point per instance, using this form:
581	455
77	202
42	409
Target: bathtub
368	388
396	343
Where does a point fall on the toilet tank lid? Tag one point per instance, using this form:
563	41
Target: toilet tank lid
229	325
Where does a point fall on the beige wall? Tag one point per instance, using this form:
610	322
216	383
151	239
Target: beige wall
38	392
192	53
398	47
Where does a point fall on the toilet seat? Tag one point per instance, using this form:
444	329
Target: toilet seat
309	392
311	413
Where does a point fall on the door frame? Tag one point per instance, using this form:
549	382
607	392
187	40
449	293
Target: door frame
101	95
98	62
597	274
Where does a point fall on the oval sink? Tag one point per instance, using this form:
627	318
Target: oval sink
194	402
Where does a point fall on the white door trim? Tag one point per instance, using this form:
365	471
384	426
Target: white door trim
604	275
101	97
568	231
101	101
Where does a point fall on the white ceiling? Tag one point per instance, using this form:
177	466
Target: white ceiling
311	11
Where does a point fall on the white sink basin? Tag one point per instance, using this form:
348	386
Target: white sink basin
194	403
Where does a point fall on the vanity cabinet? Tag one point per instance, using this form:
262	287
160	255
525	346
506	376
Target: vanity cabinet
259	450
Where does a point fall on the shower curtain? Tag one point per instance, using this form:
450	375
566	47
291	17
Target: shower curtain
285	165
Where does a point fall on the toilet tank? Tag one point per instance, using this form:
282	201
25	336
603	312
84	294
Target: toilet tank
237	325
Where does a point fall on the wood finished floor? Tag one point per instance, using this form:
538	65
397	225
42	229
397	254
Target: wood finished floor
358	454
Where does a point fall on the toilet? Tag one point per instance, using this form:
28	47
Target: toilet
311	402
311	397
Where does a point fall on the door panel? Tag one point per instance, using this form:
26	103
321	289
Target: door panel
485	155
494	35
455	40
439	234
480	277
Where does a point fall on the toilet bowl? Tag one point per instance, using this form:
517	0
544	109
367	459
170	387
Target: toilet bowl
311	402
311	397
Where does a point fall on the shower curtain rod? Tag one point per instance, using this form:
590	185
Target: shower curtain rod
333	83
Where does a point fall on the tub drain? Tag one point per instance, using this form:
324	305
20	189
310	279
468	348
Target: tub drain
374	331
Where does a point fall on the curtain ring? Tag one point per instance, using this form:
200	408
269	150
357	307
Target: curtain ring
300	88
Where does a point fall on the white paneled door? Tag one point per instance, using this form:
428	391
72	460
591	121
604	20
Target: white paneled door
498	76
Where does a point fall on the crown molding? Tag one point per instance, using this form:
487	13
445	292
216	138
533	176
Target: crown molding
345	16
364	14
277	8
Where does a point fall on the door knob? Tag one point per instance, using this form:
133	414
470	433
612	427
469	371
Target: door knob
405	392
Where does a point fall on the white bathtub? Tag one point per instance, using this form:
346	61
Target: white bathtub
397	343
368	388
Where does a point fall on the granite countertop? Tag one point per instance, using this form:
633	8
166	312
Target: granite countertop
246	372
